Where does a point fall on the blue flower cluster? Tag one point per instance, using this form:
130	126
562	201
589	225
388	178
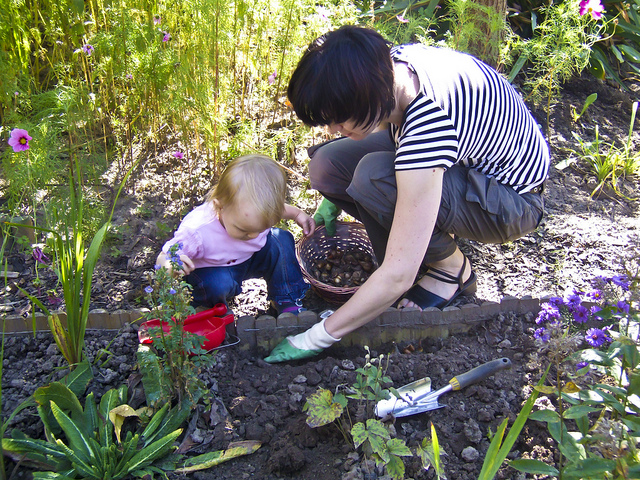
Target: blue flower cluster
570	311
174	255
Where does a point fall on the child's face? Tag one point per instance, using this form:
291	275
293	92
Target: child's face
241	221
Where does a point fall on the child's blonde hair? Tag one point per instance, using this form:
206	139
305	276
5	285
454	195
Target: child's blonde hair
256	178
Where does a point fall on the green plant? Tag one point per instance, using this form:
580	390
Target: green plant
590	99
559	48
612	164
88	448
74	268
595	423
323	408
430	454
170	370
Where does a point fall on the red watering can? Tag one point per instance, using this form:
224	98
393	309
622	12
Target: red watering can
210	324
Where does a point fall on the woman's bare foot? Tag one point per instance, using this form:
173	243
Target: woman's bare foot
450	265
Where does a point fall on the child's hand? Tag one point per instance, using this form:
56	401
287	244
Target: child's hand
306	222
187	264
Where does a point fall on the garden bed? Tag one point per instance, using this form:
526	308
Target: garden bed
264	402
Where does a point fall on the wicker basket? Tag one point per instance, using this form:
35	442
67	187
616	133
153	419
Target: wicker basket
349	236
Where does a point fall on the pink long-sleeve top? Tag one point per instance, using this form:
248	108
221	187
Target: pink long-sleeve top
206	242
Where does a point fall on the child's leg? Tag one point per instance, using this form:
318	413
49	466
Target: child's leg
276	262
212	285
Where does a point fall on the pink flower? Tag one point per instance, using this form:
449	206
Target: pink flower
88	49
167	37
157	19
401	19
179	155
592	7
19	140
272	78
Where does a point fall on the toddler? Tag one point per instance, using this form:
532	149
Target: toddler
230	238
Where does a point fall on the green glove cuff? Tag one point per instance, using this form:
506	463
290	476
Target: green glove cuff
284	352
326	214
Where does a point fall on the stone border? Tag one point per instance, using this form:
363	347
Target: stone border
265	331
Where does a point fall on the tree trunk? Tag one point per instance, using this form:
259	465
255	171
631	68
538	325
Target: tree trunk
489	19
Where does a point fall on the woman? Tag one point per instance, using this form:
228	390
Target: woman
439	144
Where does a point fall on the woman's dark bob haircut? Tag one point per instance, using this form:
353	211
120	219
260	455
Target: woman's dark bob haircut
344	75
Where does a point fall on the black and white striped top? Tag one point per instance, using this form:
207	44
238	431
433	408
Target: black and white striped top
467	113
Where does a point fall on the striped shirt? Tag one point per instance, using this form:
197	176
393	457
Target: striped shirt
469	114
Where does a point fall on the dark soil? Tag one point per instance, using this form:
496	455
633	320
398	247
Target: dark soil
580	237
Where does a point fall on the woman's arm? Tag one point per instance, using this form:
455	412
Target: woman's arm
418	202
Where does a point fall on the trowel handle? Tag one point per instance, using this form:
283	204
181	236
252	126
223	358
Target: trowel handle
479	373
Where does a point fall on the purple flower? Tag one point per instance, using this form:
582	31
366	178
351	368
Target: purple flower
547	313
148	289
172	291
324	13
621	280
581	314
596	337
179	155
88	49
272	78
573	299
594	311
556	301
157	267
53	300
623	306
19	140
599	282
595	294
167	37
401	19
157	19
39	256
541	334
128	76
581	365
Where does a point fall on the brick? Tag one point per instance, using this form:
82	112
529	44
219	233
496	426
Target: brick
15	324
267	336
490	309
452	315
529	305
246	332
307	319
509	304
410	316
391	317
432	316
287	324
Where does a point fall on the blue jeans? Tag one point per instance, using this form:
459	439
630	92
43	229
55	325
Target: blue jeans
276	262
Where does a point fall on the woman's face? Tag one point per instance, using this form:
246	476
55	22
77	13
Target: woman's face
349	129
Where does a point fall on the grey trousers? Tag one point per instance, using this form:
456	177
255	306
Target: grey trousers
359	177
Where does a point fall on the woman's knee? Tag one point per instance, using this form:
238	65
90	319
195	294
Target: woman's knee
325	172
374	183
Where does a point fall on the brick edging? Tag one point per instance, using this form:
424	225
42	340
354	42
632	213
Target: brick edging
265	332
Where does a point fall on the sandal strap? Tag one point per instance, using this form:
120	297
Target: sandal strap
447	277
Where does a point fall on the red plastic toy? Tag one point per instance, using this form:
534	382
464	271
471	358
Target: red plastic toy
210	324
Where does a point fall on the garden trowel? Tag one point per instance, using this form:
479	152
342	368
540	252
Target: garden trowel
417	397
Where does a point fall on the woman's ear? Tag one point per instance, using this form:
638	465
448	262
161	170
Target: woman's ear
216	205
